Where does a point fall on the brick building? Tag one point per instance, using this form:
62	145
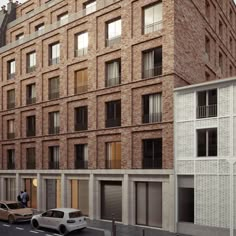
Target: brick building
86	110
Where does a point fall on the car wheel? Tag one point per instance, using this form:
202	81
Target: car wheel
35	224
11	219
63	230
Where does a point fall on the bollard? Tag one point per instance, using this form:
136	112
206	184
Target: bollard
113	226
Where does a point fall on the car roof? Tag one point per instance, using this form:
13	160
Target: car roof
65	210
8	202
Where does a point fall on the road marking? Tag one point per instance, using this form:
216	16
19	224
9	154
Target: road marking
35	232
57	234
6	225
48	235
41	231
19	228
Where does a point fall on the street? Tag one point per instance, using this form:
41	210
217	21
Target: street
25	229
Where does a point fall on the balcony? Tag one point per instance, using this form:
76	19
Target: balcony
81	126
206	111
113	164
81	164
30	165
152	163
30	101
112	81
53	165
10	105
11	76
112	41
81	52
54	61
156	26
30	133
54	130
10	165
155	71
81	89
31	69
113	123
53	95
10	135
152	117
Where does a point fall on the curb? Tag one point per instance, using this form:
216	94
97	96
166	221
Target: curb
106	232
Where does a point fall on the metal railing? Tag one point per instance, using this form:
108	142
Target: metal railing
113	164
11	76
81	164
10	166
81	52
112	41
156	26
113	123
53	95
54	130
54	26
30	100
155	163
11	135
54	61
152	117
31	69
30	133
112	81
30	165
207	111
10	105
155	71
81	89
81	126
53	165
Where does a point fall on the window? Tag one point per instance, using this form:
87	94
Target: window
54	122
113	73
231	16
81	156
54	54
53	88
10	189
152	18
221	29
63	18
30	126
11	159
113	155
81	81
207	142
113	114
11	99
113	32
152	153
221	64
30	158
81	44
207	104
207	10
30	94
149	204
207	47
231	44
11	68
152	108
53	195
81	118
230	70
10	129
54	157
40	27
20	36
31	62
90	7
152	62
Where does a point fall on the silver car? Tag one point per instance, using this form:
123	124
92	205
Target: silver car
63	220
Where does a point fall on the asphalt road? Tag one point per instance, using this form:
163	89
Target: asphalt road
25	229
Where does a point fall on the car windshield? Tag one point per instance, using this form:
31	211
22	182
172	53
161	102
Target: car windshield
75	214
14	206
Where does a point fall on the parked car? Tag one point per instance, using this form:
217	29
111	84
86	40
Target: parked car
63	220
14	211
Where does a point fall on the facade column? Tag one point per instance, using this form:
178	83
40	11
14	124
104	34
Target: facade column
125	200
2	188
39	191
63	190
231	187
18	184
91	196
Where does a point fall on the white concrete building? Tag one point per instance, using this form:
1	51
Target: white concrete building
205	158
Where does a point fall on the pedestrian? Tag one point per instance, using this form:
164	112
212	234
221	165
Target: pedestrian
25	198
19	199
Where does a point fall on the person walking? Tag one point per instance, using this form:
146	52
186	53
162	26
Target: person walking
25	198
19	199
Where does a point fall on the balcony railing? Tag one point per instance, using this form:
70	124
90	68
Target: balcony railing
152	117
53	95
11	76
113	164
54	130
81	52
207	111
155	163
10	135
30	165
10	105
112	41
30	133
81	89
81	164
31	69
81	126
10	166
54	61
53	165
30	101
113	123
112	81
155	71
156	26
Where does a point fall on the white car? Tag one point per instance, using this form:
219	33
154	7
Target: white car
63	220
